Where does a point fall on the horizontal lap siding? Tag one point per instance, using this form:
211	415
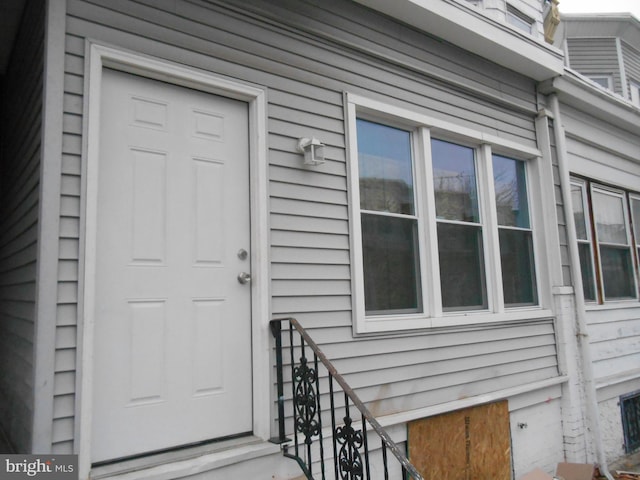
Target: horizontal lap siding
306	73
19	205
559	203
608	155
597	56
69	249
631	58
615	341
398	374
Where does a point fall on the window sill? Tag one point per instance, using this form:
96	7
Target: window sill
402	323
613	305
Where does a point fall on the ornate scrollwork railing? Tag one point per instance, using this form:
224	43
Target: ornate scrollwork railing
351	451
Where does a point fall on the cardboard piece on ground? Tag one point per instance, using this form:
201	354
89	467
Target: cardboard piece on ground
576	471
537	474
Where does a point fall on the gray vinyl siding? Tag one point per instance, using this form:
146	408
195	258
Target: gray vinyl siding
19	202
69	251
559	202
393	375
596	56
631	58
607	155
615	344
307	54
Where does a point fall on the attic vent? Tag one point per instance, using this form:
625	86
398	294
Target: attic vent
630	405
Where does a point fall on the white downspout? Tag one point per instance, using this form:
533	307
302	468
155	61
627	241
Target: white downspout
582	333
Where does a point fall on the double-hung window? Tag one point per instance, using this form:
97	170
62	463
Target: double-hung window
388	219
460	243
444	229
605	240
514	227
583	234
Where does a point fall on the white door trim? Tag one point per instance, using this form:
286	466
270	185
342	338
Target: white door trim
99	57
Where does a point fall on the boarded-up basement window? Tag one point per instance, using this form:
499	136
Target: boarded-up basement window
466	444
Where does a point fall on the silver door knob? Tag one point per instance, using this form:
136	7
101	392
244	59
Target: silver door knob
244	278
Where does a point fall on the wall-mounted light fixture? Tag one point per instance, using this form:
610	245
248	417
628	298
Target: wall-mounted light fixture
313	151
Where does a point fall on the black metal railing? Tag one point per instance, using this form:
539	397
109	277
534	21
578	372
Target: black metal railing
352	458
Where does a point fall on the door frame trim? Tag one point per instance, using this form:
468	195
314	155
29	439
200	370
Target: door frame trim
99	57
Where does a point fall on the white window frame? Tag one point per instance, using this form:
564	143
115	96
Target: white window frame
635	222
635	93
595	77
589	241
519	20
423	127
622	195
625	196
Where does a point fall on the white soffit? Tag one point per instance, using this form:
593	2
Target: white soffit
461	25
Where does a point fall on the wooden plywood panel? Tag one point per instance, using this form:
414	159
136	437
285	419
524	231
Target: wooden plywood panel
468	444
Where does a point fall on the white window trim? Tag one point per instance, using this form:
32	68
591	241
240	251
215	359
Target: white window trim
518	19
100	57
636	197
607	77
433	316
588	222
594	186
635	93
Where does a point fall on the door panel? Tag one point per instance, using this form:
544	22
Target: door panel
172	350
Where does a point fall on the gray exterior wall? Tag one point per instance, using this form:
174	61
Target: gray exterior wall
21	130
631	58
608	155
559	201
595	56
308	53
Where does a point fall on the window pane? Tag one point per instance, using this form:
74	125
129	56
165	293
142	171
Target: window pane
518	19
608	211
617	274
604	82
635	211
454	181
578	212
518	274
586	269
461	266
384	162
511	192
390	259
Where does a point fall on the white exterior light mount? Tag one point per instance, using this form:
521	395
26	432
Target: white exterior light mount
313	151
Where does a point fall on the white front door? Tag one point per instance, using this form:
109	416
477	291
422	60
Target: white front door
172	349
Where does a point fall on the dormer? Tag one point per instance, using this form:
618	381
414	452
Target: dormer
605	49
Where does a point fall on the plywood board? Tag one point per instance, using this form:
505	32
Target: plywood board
468	444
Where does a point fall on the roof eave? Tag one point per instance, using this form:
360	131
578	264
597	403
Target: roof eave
466	27
599	103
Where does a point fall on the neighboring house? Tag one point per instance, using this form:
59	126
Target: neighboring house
604	48
150	168
601	152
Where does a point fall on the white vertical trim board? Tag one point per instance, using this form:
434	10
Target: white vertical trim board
99	57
